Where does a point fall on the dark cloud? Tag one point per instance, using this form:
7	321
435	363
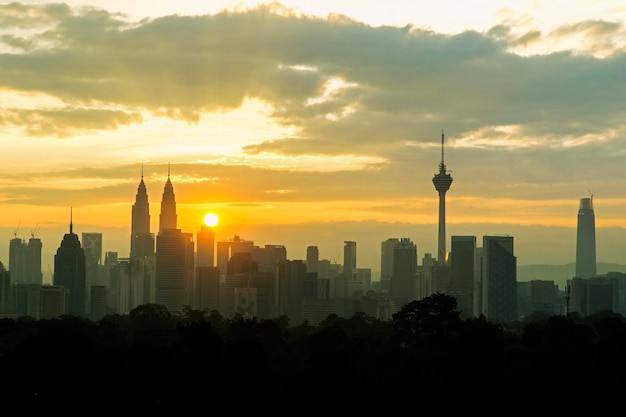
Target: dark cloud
528	126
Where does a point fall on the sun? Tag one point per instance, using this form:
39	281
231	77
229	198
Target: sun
211	219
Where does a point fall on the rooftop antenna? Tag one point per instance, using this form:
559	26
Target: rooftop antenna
71	226
442	164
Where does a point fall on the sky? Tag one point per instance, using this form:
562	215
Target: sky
312	123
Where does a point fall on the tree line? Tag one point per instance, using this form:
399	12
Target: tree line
427	354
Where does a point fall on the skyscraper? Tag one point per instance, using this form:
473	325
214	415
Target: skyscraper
25	260
174	269
463	270
167	217
92	246
404	273
499	279
205	238
586	240
141	240
312	258
442	182
69	271
386	263
174	263
33	261
17	256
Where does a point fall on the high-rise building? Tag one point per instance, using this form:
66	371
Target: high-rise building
205	241
312	258
442	181
33	261
174	265
92	245
25	261
168	218
463	270
70	272
386	263
499	279
141	240
404	273
586	240
174	269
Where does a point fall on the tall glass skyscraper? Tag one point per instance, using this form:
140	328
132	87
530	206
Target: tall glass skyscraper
586	240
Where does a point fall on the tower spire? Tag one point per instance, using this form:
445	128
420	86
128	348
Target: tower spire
71	225
442	182
442	165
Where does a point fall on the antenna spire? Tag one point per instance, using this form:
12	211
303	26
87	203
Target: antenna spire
71	225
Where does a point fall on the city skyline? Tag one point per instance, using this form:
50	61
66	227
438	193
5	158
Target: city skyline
302	127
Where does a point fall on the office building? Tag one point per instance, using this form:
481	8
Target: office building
207	288
174	269
349	266
174	264
463	270
404	273
70	272
586	240
387	248
312	258
168	219
141	239
205	241
92	245
25	260
499	279
594	295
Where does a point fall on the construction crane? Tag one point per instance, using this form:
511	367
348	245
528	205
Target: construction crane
16	229
34	232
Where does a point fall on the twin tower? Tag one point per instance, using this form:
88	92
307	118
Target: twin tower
142	241
164	265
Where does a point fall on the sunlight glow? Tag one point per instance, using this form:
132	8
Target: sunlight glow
211	219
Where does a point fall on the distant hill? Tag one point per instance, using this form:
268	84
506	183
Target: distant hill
561	273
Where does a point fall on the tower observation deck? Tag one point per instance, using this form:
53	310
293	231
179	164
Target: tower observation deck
442	181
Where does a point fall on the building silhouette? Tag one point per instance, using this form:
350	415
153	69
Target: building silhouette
404	274
312	258
70	272
92	246
442	181
586	240
25	260
464	268
205	240
174	259
168	218
499	279
174	269
141	239
386	263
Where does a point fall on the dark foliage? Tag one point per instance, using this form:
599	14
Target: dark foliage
150	360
